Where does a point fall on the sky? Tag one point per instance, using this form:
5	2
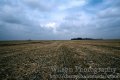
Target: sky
59	19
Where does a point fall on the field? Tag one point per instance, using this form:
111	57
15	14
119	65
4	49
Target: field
47	60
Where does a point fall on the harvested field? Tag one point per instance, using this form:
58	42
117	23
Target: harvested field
49	60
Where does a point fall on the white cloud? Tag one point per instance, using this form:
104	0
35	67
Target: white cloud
50	25
72	4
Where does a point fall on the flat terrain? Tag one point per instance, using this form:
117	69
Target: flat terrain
34	60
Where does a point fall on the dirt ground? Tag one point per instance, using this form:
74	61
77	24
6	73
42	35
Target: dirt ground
52	60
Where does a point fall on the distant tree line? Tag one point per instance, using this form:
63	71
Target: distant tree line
84	39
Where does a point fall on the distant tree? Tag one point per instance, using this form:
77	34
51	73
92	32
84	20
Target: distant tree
76	39
84	39
29	40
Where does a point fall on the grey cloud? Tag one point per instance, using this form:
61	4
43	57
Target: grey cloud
42	5
23	20
104	24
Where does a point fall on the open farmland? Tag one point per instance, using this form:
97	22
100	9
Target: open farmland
34	60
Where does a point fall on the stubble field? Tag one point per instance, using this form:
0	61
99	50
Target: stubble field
35	60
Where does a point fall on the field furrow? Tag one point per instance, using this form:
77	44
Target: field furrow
38	60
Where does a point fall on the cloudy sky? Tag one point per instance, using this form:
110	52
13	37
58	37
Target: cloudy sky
59	19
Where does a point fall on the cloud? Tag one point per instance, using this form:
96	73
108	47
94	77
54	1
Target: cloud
50	25
72	4
42	5
63	19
